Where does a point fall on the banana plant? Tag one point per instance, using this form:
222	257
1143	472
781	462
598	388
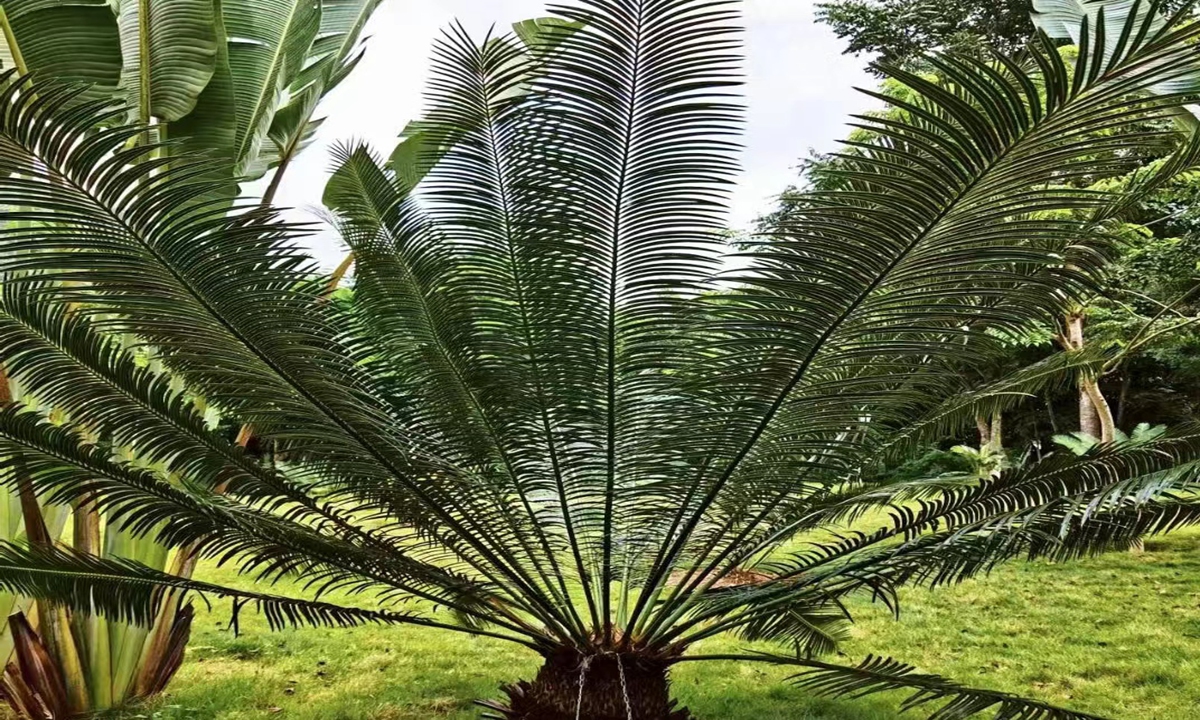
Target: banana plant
288	117
238	81
72	664
47	679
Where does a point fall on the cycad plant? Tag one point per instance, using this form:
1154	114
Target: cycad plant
546	413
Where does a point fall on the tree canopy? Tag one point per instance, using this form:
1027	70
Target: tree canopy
903	31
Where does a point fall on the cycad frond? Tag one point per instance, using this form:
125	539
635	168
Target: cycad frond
80	371
58	464
1064	507
270	354
404	297
880	674
133	593
811	631
961	218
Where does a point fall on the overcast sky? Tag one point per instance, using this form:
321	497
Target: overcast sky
799	93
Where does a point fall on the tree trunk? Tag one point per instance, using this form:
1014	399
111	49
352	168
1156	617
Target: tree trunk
1050	414
985	430
1089	421
555	693
1100	409
1095	415
991	431
1123	397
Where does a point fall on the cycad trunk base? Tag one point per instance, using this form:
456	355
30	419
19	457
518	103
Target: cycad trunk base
615	686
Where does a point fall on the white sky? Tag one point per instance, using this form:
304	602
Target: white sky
799	93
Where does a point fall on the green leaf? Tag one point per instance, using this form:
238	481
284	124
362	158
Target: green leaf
293	129
879	674
333	55
169	50
336	48
210	129
542	35
125	640
1064	19
1077	21
416	154
423	144
269	43
71	40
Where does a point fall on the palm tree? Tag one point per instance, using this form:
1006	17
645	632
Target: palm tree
546	413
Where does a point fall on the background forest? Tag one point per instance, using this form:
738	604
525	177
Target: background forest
1143	318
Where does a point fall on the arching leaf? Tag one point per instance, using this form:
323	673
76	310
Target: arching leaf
71	40
269	45
169	52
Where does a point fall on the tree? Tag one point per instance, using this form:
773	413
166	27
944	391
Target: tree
903	31
1148	316
529	413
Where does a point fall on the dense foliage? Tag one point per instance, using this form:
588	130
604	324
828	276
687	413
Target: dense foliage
1143	315
532	412
904	31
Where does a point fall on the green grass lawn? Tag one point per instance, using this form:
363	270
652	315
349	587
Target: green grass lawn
1118	636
